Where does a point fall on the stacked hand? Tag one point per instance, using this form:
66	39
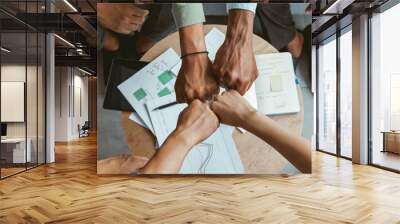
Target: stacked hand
195	124
198	121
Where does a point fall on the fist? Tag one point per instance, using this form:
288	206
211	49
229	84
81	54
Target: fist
235	66
232	108
195	79
197	122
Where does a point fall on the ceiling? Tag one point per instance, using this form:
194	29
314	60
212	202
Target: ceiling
332	15
21	21
78	27
39	6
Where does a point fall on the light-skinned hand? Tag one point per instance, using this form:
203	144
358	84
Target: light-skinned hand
196	123
232	108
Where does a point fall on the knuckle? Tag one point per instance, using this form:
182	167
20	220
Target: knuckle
120	28
200	92
220	71
232	92
241	82
256	73
215	90
196	103
126	19
188	100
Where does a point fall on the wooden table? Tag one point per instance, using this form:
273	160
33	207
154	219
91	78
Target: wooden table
257	156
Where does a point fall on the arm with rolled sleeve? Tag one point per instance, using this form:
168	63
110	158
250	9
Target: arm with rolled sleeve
234	63
195	78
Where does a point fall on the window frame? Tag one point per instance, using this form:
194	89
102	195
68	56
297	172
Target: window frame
336	35
27	29
381	9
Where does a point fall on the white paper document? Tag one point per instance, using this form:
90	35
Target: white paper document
136	118
215	155
214	39
275	86
164	120
151	82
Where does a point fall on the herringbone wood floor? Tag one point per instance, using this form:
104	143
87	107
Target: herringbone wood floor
69	191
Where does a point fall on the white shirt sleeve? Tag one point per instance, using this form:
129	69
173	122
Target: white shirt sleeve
246	6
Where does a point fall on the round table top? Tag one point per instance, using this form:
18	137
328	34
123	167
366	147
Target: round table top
256	155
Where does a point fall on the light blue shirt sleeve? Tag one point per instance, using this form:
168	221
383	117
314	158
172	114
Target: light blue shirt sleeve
186	14
246	6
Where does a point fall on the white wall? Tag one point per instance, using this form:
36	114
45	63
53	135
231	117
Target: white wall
62	81
33	126
70	83
17	73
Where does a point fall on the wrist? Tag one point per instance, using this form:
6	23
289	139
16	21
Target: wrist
192	39
247	118
194	53
191	58
240	27
184	138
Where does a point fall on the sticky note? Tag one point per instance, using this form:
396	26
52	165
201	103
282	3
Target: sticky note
276	83
165	77
139	94
164	92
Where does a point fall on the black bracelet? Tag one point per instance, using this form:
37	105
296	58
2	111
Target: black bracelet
199	52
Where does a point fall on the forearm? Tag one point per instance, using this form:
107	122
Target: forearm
294	148
169	158
121	164
240	26
192	39
189	19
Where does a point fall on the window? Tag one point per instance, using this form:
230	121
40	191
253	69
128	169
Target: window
327	96
346	75
22	75
333	137
385	89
